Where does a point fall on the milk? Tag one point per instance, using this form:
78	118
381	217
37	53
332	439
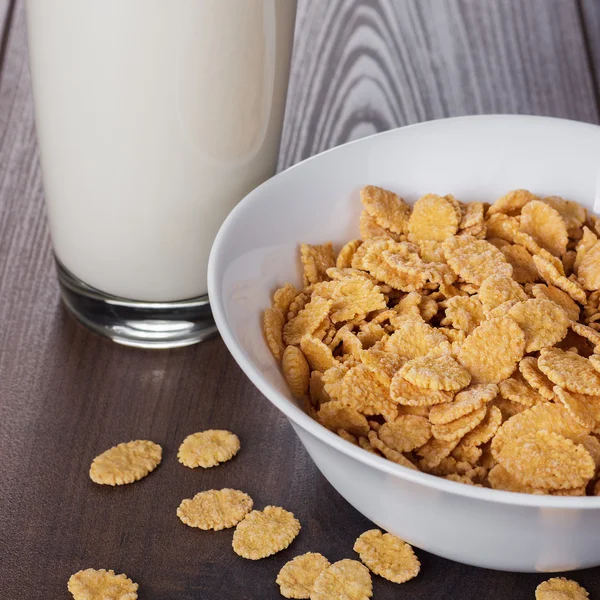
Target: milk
154	118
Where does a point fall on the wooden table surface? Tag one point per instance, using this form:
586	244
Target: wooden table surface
360	66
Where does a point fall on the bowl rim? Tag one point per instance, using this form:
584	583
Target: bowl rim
297	416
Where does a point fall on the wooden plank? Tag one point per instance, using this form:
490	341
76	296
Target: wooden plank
66	394
590	19
369	65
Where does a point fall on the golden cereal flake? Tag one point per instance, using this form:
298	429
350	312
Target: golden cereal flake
583	408
335	415
497	289
316	389
297	577
457	336
332	381
545	225
346	254
263	533
551	292
388	209
456	429
386	361
501	311
389	453
501	227
100	584
586	332
493	350
208	448
535	378
297	304
552	275
508	408
584	245
516	389
570	371
347	436
370	333
283	297
433	218
431	251
475	260
215	509
406	393
572	212
501	479
355	298
595	361
464	403
547	460
409	305
464	313
273	321
364	443
512	203
472	215
296	371
547	416
125	463
414	338
316	259
428	308
406	433
543	322
559	588
319	355
344	580
589	269
467	452
486	430
363	389
568	261
434	452
524	269
307	320
387	556
371	230
436	373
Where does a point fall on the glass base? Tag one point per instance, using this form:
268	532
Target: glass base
138	324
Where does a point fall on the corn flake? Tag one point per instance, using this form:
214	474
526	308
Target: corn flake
464	313
455	430
498	289
99	584
125	463
346	254
316	259
545	225
406	393
535	378
547	460
589	269
208	448
264	533
516	389
344	580
319	355
307	320
215	509
543	322
387	556
559	588
389	453
406	433
583	408
296	371
436	373
486	430
551	292
283	297
414	338
512	203
464	403
335	415
273	321
553	277
388	209
433	218
297	577
524	269
569	371
493	350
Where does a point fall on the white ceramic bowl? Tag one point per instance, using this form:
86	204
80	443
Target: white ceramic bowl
256	251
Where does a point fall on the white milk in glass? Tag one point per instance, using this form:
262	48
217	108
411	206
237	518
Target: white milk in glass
154	118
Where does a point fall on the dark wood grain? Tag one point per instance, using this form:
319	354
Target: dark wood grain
66	395
590	20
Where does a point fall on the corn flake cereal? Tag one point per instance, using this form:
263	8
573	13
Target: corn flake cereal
547	460
100	584
455	430
388	209
336	415
465	402
125	463
543	322
436	373
263	533
433	218
559	588
344	580
387	556
297	577
208	448
569	371
215	509
406	433
457	328
493	350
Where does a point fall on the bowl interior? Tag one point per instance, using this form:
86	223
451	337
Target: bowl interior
473	158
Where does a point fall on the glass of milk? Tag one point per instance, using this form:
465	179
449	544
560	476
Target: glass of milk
154	118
